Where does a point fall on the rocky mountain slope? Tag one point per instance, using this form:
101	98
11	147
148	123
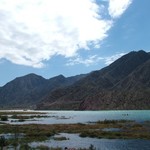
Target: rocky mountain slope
122	85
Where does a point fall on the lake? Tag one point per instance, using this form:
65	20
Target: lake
67	117
75	141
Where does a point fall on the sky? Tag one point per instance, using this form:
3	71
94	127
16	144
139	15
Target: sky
69	37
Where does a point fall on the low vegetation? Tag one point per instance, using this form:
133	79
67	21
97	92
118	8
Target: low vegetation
21	116
62	138
41	132
3	118
28	117
20	112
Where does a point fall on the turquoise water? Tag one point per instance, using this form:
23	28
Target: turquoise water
64	117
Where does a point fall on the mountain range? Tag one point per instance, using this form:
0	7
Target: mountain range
124	84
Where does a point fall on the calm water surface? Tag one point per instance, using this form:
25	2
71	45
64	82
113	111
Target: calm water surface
65	117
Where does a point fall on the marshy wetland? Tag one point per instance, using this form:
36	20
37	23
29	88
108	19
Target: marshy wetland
29	130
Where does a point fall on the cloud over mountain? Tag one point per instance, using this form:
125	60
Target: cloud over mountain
34	31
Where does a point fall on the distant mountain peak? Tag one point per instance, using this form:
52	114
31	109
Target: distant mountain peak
59	77
30	75
141	51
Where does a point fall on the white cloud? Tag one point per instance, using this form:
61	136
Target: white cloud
35	30
87	61
92	60
117	7
111	59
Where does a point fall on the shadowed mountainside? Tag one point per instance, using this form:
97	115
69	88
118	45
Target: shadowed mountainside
28	90
122	85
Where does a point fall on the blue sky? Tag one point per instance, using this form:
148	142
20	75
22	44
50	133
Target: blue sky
69	37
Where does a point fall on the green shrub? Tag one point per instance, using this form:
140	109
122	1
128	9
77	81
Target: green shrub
60	138
92	147
4	118
3	141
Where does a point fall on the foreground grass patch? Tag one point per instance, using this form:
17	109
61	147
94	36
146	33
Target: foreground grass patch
42	132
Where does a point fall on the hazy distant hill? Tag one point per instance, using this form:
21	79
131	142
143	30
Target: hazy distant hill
125	84
122	85
28	90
